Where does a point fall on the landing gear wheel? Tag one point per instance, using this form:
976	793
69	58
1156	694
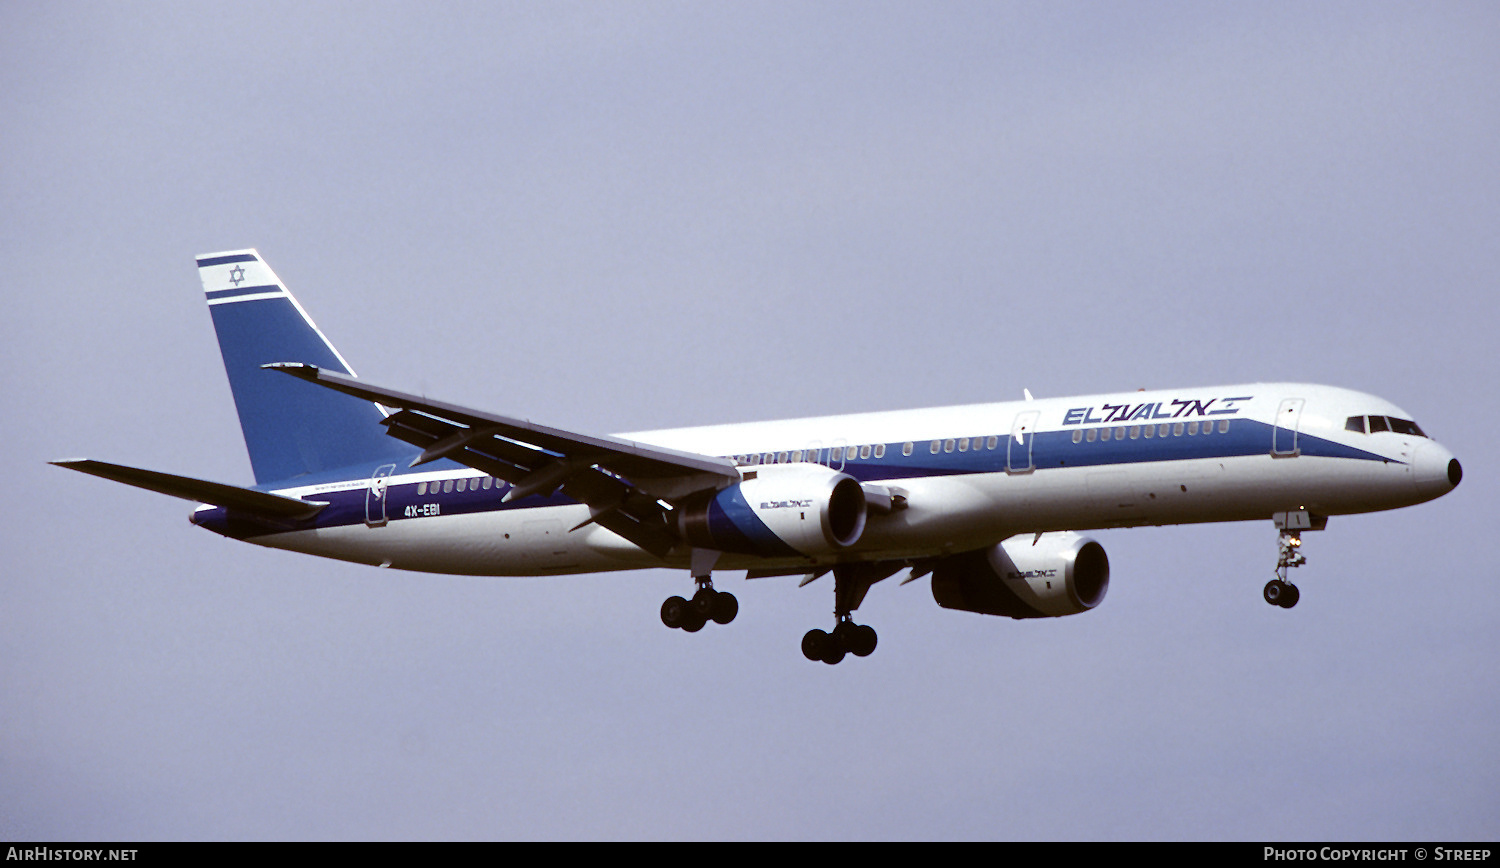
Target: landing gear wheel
693	620
674	612
1281	593
862	643
725	607
703	602
815	644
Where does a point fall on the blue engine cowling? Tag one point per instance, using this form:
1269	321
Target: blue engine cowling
1062	574
778	511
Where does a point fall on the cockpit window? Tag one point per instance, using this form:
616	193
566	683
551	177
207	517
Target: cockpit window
1405	426
1378	424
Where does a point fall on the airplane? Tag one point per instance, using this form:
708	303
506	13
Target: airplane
989	500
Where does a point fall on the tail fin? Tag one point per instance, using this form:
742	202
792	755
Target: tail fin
290	429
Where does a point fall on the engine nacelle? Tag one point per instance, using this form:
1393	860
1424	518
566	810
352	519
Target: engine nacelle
778	510
1063	574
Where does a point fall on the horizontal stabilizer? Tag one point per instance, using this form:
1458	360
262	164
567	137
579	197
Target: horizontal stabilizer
200	490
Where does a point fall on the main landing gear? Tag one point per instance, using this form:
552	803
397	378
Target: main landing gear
850	582
706	605
847	638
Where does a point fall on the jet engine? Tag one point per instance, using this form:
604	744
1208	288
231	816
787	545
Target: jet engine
778	510
1061	574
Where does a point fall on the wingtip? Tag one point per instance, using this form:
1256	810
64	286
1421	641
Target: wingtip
296	369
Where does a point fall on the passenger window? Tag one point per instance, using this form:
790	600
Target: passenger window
781	458
1135	432
489	482
1150	431
963	444
1177	430
936	445
879	450
1092	434
1105	434
948	445
992	442
1192	429
1223	426
1077	436
864	452
906	448
421	488
1377	423
447	486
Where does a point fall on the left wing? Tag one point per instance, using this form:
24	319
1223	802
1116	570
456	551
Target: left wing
623	482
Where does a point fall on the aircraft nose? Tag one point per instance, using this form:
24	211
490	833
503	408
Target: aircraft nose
1435	471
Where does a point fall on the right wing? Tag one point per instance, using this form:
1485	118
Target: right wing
623	482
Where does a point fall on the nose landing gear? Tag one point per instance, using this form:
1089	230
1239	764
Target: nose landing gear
1279	591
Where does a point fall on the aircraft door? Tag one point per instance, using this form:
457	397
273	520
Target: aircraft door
1284	434
1018	447
375	497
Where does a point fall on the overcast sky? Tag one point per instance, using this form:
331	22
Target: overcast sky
625	216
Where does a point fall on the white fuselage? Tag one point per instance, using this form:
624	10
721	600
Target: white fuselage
968	477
